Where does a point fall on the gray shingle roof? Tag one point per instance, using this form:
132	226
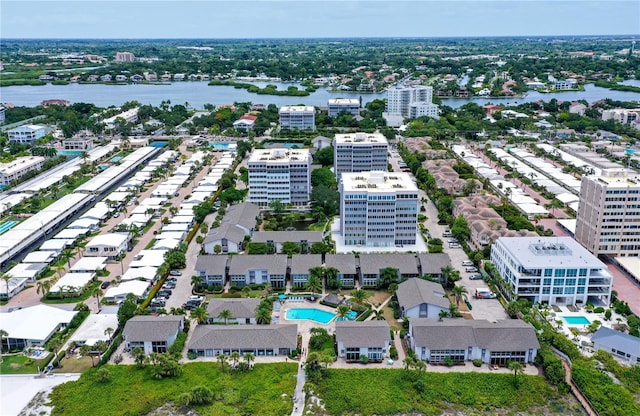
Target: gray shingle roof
344	263
284	236
433	263
416	291
503	335
240	308
212	264
244	214
151	328
355	334
243	337
226	231
506	335
618	340
374	263
301	263
445	335
275	263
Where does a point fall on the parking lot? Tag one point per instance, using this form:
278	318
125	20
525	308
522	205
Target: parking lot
489	309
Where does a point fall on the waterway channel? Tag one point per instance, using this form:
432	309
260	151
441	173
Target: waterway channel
198	93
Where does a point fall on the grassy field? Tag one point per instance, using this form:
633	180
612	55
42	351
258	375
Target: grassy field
131	391
390	392
20	364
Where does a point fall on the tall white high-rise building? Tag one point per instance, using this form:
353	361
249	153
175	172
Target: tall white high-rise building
413	101
608	220
553	270
338	105
279	174
378	209
360	152
299	117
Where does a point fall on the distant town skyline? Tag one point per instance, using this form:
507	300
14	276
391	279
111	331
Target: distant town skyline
203	19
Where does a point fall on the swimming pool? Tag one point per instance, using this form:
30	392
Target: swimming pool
576	320
6	226
316	315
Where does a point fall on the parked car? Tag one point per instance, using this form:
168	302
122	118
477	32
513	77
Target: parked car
165	293
104	285
454	245
471	269
475	276
171	280
484	294
453	240
175	273
169	285
467	263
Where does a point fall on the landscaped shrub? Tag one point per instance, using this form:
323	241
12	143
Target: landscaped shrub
477	362
364	359
448	361
112	347
393	353
599	309
178	344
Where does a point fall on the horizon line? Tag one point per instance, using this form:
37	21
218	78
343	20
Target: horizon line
632	36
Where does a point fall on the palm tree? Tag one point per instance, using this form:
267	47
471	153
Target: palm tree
200	314
108	333
393	288
342	311
249	358
517	368
138	356
458	293
3	334
246	291
6	279
235	357
263	315
359	296
443	314
314	285
97	293
43	286
226	315
317	272
378	314
222	359
388	275
453	310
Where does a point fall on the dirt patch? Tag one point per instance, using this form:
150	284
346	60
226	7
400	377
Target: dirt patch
170	409
378	297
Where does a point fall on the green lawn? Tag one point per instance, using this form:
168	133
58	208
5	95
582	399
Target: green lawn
20	364
131	391
389	392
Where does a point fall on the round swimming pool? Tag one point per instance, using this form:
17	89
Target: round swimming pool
312	314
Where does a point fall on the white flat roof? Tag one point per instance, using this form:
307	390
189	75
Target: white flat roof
93	328
152	258
297	108
56	244
181	219
172	235
360	138
176	227
13	284
167	244
108	239
377	182
136	273
552	252
71	233
279	155
27	270
137	287
72	280
36	322
39	257
90	263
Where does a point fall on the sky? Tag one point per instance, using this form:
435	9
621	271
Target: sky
214	19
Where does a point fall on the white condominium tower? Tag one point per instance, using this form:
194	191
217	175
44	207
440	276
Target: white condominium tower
338	105
360	152
608	220
378	209
552	270
297	117
413	101
279	174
